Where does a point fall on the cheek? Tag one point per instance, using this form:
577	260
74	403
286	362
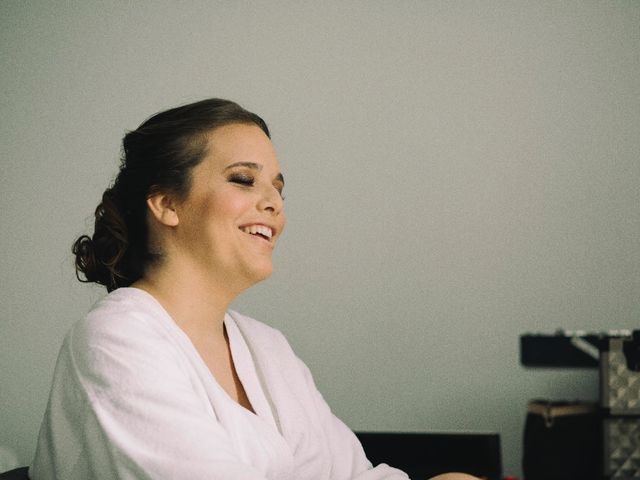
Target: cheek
227	207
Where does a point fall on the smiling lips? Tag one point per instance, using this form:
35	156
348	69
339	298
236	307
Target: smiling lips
259	230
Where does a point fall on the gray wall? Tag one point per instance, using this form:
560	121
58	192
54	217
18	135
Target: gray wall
458	173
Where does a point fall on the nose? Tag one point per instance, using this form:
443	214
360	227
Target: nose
271	200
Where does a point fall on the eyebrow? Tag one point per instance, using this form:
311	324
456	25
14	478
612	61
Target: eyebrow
253	166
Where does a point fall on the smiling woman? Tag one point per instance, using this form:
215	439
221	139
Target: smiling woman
231	219
161	380
160	157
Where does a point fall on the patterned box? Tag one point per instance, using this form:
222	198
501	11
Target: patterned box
620	401
622	448
619	386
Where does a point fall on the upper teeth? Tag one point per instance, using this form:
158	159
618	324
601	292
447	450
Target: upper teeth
261	229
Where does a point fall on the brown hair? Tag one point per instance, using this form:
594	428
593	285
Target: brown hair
157	156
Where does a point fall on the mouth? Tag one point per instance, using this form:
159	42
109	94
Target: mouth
260	231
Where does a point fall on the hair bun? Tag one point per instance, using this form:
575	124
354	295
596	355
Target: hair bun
99	258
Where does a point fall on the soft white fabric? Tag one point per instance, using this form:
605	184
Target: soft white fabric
132	399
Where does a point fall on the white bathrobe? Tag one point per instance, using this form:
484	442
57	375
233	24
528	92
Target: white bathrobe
132	399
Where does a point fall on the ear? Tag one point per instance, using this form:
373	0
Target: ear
163	208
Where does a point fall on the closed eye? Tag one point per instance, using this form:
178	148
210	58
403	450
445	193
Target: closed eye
245	180
279	184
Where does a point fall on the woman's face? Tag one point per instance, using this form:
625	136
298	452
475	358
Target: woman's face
232	217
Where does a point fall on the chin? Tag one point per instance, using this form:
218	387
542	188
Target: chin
264	275
258	274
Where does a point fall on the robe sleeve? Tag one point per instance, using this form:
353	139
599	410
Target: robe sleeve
143	419
349	459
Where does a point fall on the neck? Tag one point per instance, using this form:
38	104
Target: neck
196	300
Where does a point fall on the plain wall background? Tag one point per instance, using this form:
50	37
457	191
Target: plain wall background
458	173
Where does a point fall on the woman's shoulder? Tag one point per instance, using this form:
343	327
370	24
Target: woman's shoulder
124	340
124	316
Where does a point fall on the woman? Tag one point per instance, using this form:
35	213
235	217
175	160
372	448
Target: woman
160	380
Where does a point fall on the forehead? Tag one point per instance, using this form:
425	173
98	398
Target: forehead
241	143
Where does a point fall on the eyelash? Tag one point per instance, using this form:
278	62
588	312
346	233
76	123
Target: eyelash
247	181
242	180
